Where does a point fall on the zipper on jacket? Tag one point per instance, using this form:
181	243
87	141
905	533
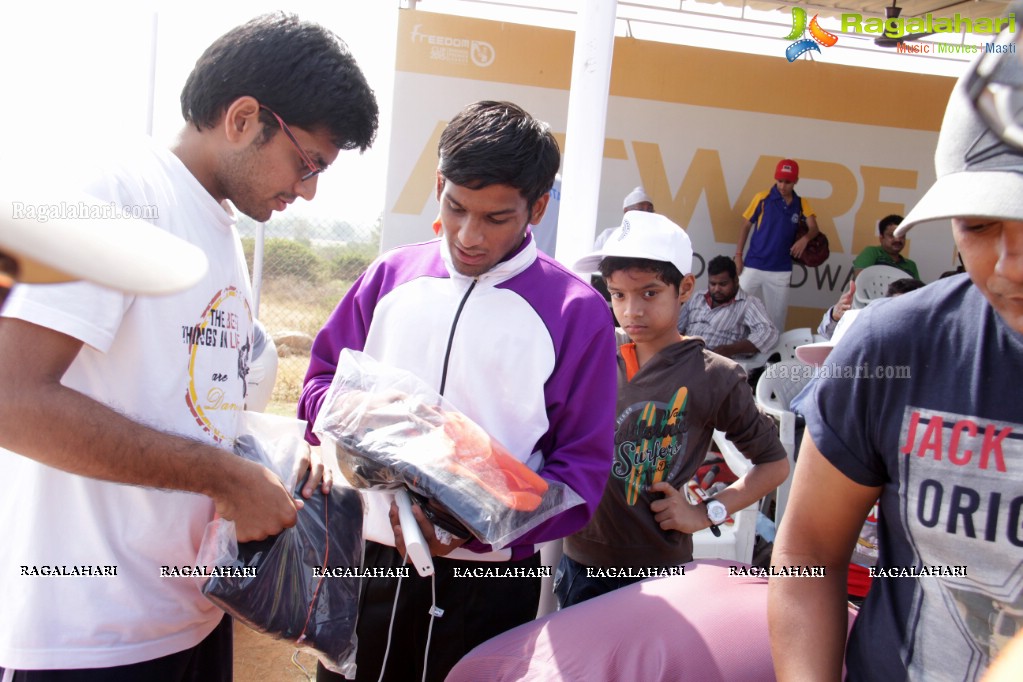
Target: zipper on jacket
451	335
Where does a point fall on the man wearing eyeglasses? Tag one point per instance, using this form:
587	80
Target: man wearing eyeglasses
941	445
121	408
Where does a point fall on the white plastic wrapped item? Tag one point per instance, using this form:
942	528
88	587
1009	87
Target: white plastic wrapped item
391	430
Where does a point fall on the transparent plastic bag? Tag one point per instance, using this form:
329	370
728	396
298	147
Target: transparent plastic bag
391	430
278	585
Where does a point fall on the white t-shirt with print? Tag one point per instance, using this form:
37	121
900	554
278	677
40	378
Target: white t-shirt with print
176	363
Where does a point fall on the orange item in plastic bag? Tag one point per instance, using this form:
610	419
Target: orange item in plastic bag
468	452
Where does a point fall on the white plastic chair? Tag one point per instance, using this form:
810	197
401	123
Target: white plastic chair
872	283
787	342
550	555
737	540
778	385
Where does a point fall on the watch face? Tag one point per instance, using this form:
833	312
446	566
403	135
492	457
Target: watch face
716	512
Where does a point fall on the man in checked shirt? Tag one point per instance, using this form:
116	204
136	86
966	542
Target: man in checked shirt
731	322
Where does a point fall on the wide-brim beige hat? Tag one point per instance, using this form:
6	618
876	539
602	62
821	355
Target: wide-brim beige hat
127	254
978	175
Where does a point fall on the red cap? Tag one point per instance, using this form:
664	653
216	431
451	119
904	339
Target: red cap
787	169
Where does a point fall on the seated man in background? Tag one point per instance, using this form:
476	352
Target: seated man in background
903	286
730	322
835	312
889	252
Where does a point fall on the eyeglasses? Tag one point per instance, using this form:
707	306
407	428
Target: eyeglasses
314	170
994	85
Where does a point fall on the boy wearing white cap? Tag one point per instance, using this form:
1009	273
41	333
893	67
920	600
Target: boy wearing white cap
672	394
939	443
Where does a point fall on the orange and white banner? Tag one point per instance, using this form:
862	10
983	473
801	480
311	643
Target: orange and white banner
700	129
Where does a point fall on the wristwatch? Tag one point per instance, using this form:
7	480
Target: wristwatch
717	514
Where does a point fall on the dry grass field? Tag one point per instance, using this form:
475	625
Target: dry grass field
291	304
290	372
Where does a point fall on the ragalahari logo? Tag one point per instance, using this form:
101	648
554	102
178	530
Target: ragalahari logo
803	45
904	33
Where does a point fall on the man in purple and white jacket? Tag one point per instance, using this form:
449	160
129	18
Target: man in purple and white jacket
513	340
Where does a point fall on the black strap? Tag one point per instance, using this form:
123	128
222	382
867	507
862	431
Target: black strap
451	337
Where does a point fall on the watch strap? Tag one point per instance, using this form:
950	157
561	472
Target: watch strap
713	526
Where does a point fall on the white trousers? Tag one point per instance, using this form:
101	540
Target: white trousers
773	289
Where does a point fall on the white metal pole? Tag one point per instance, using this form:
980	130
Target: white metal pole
151	94
584	136
257	267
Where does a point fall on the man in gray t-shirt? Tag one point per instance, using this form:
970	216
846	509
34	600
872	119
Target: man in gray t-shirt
918	407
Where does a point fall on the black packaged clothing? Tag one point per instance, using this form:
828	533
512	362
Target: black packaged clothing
286	594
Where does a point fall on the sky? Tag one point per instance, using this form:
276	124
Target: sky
75	76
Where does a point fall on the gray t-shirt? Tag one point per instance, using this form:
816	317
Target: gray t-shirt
935	418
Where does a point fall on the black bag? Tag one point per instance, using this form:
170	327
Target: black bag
285	599
817	249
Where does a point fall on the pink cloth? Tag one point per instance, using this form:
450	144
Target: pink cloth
705	625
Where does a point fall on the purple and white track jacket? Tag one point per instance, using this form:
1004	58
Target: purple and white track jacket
530	358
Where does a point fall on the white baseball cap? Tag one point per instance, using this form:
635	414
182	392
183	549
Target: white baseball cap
121	253
816	353
636	196
643	235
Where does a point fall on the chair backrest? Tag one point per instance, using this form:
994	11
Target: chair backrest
780	383
736	540
873	283
262	369
550	555
787	435
787	342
